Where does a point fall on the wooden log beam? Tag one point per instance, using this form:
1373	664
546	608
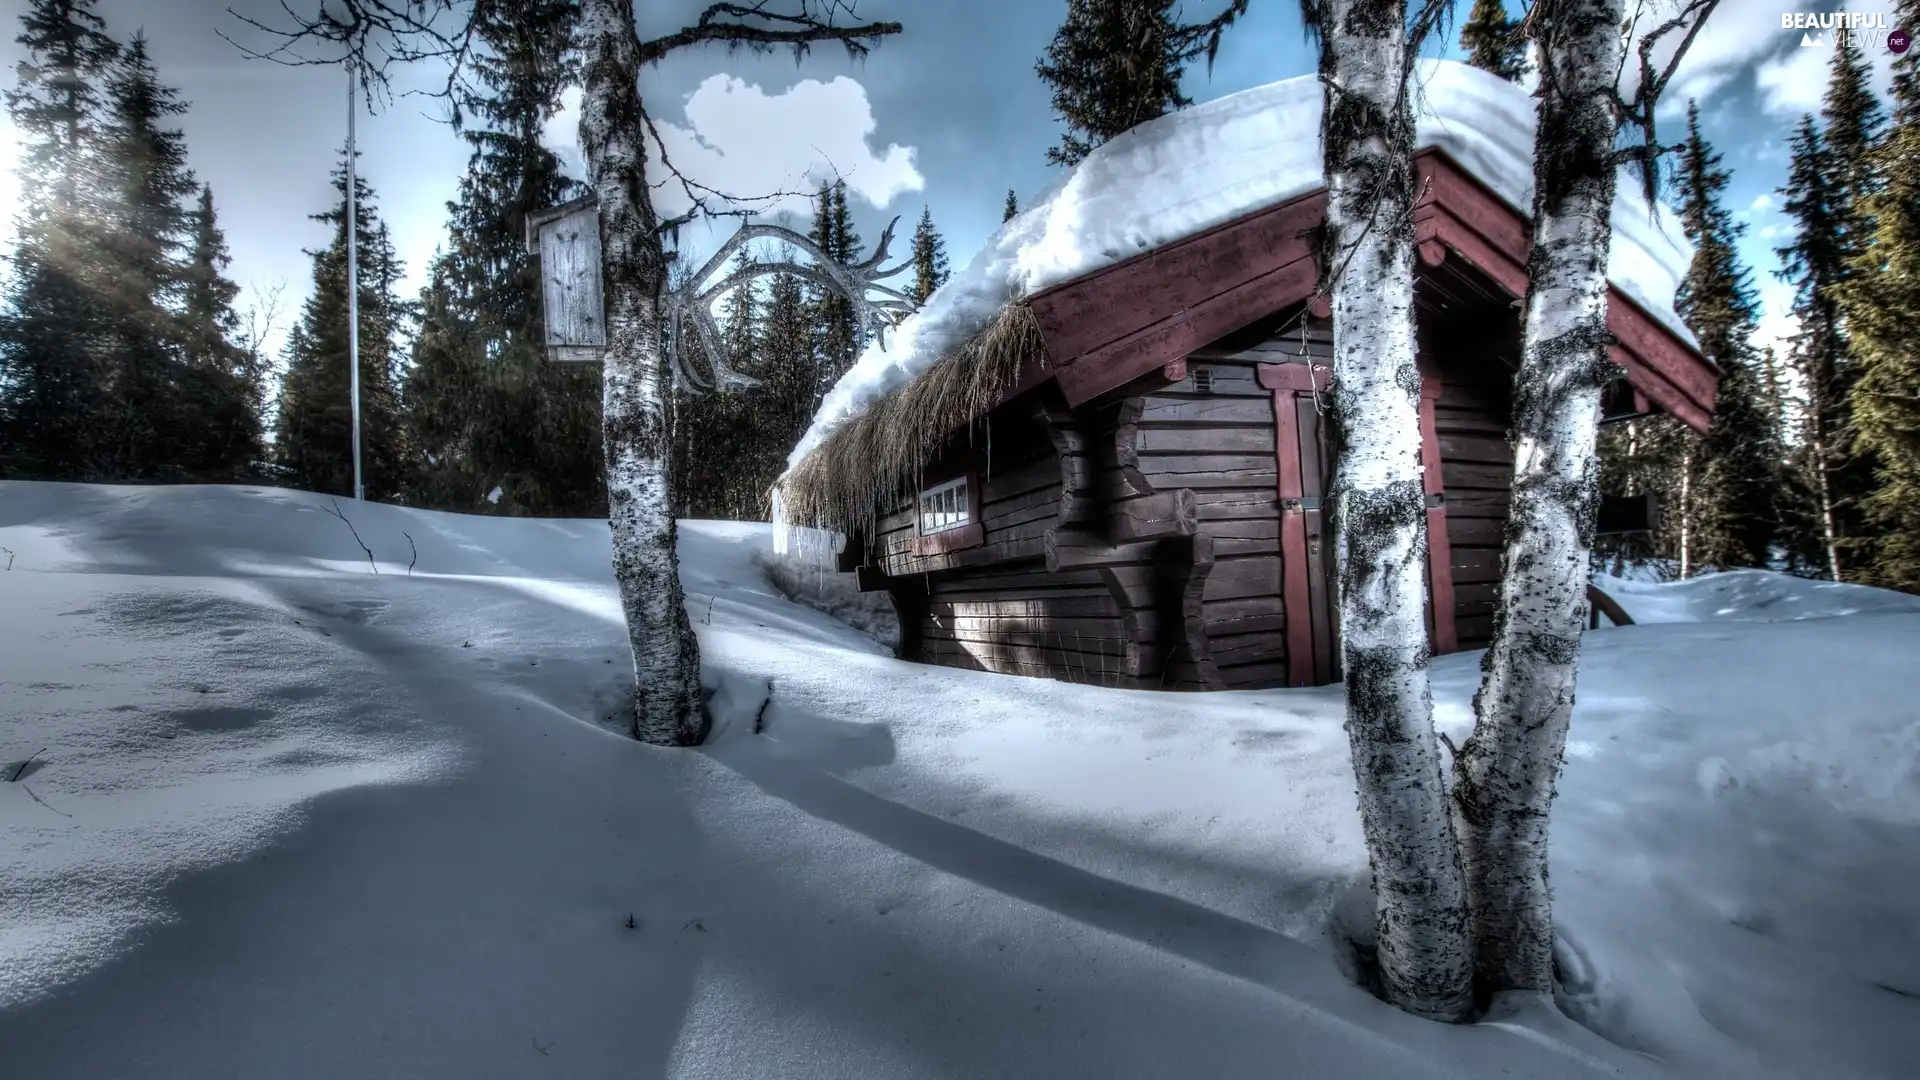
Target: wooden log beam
1165	513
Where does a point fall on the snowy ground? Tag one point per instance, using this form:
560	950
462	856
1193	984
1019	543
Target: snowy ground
291	818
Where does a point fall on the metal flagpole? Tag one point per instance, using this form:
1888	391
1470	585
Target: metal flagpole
353	289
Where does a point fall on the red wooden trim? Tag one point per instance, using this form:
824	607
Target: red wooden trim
1295	590
1319	307
941	543
1080	316
1440	600
1432	253
1175	371
1430	477
1651	344
1117	324
1300	377
1500	224
1440	609
1122	361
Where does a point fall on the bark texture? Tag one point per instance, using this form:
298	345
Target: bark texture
1504	775
1380	509
667	708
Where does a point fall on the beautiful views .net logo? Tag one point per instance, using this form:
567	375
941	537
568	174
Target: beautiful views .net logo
1836	28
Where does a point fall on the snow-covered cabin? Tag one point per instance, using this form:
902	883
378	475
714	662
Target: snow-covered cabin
1098	452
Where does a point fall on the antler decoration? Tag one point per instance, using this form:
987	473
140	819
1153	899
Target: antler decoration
690	306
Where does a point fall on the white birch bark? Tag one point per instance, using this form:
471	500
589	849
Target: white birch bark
1505	773
667	707
1380	510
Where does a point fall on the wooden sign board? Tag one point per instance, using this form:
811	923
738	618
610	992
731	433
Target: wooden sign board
567	239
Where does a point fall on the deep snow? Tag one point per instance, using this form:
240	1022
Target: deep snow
296	819
1189	171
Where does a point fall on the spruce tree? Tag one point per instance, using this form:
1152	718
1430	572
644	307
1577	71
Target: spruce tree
720	434
220	397
837	338
54	400
1820	528
929	258
1011	208
146	249
487	409
1734	486
1493	41
1880	302
314	441
784	364
1114	64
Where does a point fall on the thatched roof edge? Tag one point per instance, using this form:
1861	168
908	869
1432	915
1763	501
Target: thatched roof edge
871	461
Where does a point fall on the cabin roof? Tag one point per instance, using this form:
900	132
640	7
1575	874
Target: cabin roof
1185	229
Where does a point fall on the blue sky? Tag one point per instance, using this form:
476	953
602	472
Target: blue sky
948	115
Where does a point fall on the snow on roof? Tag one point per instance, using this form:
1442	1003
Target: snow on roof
1202	167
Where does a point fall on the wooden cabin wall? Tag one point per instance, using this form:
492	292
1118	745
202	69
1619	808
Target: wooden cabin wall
995	606
1220	443
1470	419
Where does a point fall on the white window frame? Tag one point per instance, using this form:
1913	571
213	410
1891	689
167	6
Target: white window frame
945	507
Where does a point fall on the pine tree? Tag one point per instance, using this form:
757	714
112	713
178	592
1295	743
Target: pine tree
54	403
1879	300
1820	527
1011	208
219	398
488	410
837	339
721	476
1733	483
929	258
785	403
146	250
314	440
1493	41
1117	63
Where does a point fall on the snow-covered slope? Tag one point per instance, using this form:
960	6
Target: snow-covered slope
291	818
1750	596
1204	166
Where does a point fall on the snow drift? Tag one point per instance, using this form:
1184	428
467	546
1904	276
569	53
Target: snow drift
1190	171
293	818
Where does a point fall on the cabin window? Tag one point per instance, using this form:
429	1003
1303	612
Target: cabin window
1202	380
945	507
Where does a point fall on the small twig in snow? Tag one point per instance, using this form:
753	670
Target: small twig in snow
36	798
9	552
760	718
543	1049
356	535
414	550
21	768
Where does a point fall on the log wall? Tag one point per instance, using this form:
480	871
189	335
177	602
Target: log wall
1134	542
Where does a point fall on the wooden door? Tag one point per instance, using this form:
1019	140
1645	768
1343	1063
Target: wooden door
1303	456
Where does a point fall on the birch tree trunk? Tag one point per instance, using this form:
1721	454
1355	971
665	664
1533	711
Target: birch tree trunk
667	708
1504	775
1380	509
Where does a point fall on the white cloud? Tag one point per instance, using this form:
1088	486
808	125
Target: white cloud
1760	203
743	141
1794	81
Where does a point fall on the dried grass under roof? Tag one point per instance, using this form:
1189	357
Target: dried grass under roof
876	458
